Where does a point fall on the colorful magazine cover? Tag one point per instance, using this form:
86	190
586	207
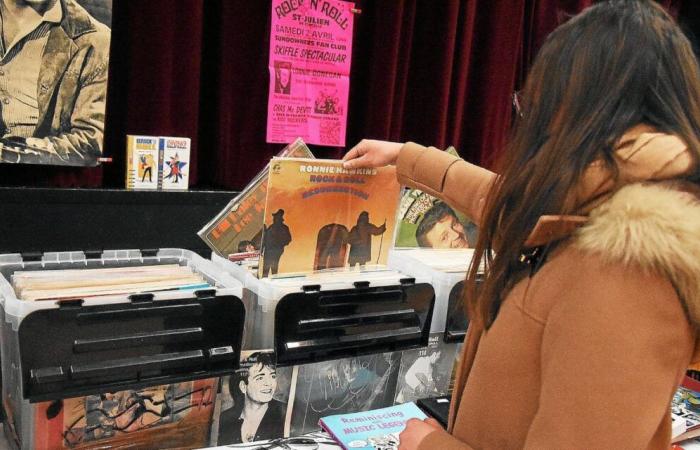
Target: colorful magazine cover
174	165
168	416
375	429
238	227
425	221
142	162
685	411
320	216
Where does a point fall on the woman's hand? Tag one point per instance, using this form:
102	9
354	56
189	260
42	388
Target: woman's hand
370	153
416	430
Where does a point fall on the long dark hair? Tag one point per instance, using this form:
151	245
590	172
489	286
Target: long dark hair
618	64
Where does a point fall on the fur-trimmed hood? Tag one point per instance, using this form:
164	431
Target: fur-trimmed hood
648	216
641	155
656	227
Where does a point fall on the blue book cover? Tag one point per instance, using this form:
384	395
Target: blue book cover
374	429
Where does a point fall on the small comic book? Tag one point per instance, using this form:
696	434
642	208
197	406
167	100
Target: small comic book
685	411
174	164
157	162
142	162
375	429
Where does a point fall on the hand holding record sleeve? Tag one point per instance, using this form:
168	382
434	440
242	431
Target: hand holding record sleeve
372	153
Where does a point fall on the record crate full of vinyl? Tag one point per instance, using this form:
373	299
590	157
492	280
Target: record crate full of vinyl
327	315
115	349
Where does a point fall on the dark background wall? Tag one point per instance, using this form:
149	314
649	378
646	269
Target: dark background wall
438	72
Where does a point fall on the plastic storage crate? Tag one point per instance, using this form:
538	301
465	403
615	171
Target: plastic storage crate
335	314
151	357
446	270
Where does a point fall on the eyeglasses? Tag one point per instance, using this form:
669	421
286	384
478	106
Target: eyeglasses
516	99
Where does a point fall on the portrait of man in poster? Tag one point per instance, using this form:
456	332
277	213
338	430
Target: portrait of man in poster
54	57
283	77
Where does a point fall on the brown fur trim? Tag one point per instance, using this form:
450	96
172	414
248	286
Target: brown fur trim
655	227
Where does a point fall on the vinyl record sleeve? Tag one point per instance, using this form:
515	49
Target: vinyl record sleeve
320	216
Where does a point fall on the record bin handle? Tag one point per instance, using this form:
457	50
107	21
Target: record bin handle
325	323
137	364
352	298
364	339
454	336
140	312
164	337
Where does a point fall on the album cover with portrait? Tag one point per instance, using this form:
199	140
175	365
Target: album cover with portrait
320	216
425	221
53	108
253	402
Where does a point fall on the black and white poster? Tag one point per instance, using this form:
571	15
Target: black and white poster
254	400
426	372
54	59
342	386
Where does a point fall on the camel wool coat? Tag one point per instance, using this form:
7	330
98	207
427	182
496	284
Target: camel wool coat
587	352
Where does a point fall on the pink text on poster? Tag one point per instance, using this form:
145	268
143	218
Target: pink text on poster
310	55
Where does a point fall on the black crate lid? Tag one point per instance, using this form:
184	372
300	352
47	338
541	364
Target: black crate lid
76	350
317	325
456	322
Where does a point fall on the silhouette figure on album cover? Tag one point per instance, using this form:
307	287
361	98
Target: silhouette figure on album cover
276	237
331	246
360	239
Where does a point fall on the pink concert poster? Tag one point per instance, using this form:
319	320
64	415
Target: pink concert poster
310	56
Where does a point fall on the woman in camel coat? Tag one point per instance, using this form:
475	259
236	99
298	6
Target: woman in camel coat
591	234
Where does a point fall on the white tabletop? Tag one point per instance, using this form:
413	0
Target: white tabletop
311	441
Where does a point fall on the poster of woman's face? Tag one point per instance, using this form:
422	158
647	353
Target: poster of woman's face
54	58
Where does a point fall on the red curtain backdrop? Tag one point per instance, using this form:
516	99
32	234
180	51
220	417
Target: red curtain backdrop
434	72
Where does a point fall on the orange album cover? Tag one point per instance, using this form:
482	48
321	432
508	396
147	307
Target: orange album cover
320	216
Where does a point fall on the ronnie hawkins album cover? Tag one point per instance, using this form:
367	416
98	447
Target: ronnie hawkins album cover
320	216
